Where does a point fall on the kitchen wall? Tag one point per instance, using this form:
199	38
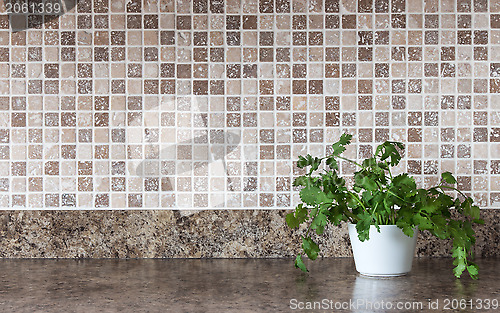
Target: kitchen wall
206	104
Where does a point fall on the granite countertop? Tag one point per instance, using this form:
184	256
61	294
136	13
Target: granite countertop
229	285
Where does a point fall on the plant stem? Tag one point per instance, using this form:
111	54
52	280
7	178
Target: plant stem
451	188
351	215
351	161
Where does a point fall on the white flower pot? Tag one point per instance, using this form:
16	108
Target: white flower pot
388	253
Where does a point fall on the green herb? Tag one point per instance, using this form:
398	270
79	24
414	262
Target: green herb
379	198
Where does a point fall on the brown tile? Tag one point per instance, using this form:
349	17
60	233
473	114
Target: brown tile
381	134
34	54
332	21
480	167
118	86
134	6
464	6
150	21
495	20
266	38
365	54
431	21
200	87
216	87
233	39
299	38
447	151
299	119
480	5
464	151
381	70
84	167
382	119
68	151
447	134
431	118
365	6
68	54
168	87
431	70
332	71
51	119
34	87
332	54
266	6
266	152
464	21
480	134
365	86
282	6
19	200
183	22
315	38
365	38
414	118
348	119
414	167
18	103
398	20
448	54
216	54
233	71
480	53
18	168
349	70
365	103
249	70
18	120
464	37
150	54
480	37
398	53
398	86
200	6
52	168
35	184
299	87
349	21
414	135
299	70
101	21
167	37
431	37
299	136
415	86
398	102
84	21
332	6
135	200
249	22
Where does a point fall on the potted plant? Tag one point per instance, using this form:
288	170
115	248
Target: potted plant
377	201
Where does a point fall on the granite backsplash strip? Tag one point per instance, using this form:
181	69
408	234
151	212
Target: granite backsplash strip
187	234
181	104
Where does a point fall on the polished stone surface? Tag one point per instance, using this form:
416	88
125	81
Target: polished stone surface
188	234
237	285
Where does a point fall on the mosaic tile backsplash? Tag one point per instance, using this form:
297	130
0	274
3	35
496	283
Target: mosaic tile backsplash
207	104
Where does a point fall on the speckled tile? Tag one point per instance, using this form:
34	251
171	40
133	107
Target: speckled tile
180	92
